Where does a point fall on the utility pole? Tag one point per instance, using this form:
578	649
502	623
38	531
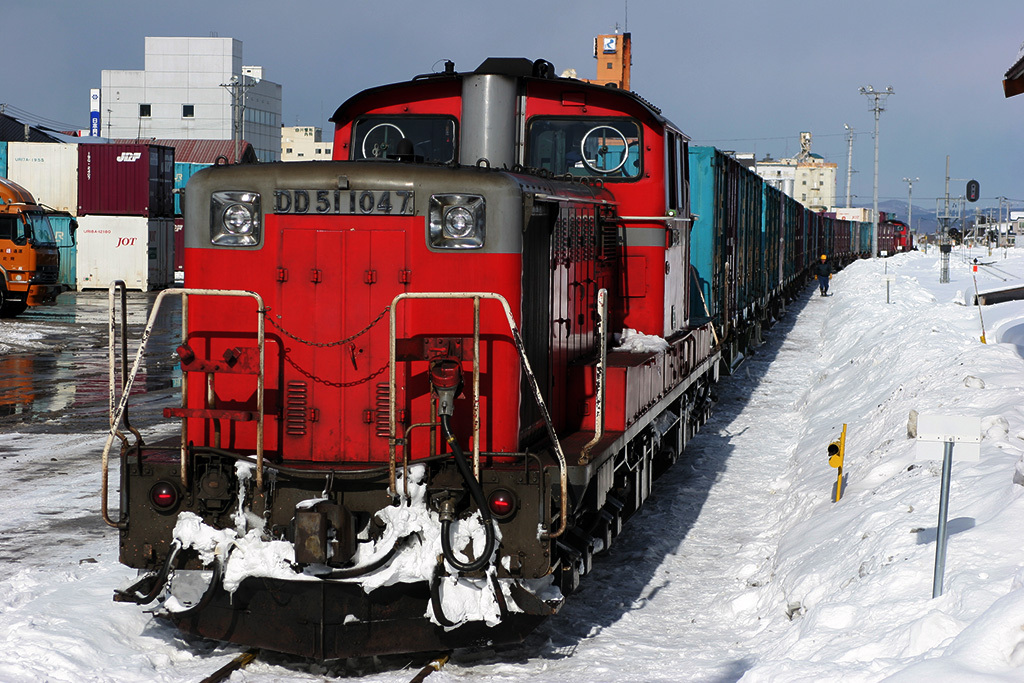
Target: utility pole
948	217
849	161
910	202
999	220
237	89
879	97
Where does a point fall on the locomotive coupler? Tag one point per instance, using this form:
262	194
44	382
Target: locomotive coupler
324	534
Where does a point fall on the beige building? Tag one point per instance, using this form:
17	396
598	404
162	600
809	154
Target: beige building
304	143
807	177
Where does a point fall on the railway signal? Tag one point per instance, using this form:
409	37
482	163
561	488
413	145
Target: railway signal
973	190
836	454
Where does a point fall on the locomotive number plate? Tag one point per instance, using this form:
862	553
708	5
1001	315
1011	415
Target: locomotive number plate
344	202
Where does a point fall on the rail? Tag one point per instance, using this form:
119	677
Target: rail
122	405
393	440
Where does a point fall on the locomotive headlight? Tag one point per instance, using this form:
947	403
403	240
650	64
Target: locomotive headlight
457	221
238	219
235	219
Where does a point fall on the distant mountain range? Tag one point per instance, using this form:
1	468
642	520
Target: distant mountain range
925	220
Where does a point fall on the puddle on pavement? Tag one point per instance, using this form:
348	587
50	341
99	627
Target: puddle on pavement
55	371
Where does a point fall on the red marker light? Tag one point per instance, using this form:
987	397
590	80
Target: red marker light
502	503
163	495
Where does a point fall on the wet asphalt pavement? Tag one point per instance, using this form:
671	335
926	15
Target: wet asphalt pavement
54	367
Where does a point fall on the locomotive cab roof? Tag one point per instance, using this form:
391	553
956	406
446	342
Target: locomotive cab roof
515	67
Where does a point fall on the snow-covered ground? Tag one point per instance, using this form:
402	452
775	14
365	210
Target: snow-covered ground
740	568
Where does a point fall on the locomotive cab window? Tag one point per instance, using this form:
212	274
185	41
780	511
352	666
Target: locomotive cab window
430	138
600	147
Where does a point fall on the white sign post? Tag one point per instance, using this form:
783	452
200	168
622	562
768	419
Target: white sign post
935	434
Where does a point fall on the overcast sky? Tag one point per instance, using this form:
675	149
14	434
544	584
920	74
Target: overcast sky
744	75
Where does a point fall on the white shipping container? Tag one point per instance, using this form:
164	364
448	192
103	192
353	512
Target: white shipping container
136	249
859	215
49	170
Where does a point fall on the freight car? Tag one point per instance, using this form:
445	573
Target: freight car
405	422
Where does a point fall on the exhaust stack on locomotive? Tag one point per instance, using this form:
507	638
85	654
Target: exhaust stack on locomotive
403	426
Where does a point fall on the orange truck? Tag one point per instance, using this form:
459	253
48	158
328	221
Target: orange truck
29	257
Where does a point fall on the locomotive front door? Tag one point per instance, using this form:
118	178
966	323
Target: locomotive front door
333	301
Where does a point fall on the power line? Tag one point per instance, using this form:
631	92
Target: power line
785	137
29	117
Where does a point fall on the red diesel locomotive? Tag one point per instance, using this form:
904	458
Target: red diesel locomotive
405	424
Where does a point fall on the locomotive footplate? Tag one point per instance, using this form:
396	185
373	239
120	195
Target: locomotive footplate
325	620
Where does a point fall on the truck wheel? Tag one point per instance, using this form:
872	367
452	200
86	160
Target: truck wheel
10	307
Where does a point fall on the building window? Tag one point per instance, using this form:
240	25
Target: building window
145	111
188	111
288	150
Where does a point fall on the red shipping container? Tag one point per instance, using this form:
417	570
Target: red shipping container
126	180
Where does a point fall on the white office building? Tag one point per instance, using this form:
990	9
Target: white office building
193	89
304	143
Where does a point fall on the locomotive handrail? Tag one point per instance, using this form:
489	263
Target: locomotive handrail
602	333
122	405
653	218
538	397
119	285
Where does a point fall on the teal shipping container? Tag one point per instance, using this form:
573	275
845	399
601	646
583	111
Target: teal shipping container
727	235
182	172
3	158
703	245
68	251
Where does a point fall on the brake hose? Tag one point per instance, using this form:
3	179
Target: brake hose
478	495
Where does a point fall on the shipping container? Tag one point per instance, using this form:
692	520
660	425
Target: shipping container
182	172
126	180
3	158
49	170
858	215
136	249
727	234
68	251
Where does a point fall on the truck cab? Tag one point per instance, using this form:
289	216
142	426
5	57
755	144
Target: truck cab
29	257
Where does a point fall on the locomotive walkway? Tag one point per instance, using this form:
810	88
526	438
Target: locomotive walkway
706	539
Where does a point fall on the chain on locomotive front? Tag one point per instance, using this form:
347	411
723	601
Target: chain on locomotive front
394	430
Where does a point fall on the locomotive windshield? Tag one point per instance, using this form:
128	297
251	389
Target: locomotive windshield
432	137
606	148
